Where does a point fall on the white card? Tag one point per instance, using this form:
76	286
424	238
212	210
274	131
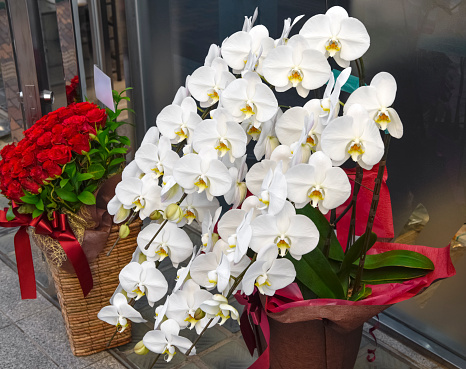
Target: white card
103	88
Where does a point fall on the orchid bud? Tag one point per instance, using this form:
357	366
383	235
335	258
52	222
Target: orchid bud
272	145
155	215
214	238
140	349
142	258
124	231
199	314
173	212
243	190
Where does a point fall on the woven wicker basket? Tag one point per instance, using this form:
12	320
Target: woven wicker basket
88	334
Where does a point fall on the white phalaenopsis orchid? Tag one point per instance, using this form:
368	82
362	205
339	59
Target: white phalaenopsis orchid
354	135
152	136
132	170
203	172
213	53
377	99
270	186
196	206
183	272
330	103
302	148
141	195
287	26
182	93
296	65
171	241
337	35
218	307
290	232
207	236
267	141
143	279
235	229
177	122
318	183
118	313
248	97
155	160
268	273
207	82
116	208
238	190
167	340
221	133
183	306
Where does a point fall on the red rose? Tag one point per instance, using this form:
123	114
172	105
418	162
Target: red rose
63	113
40	175
53	119
30	185
60	154
97	117
28	159
80	143
52	169
16	167
15	191
77	123
33	133
45	139
8	151
58	136
83	107
75	80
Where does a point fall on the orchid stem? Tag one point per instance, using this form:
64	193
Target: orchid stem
155	361
333	215
111	338
230	292
206	112
372	211
163	223
357	186
129	221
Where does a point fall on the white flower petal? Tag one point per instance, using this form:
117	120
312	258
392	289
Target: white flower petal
395	127
354	39
385	85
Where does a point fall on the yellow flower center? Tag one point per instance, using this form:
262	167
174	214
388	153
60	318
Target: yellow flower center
190	216
254	132
310	141
316	195
333	46
162	253
213	96
139	203
201	184
138	292
355	150
191	321
382	119
248	110
157	171
181	134
295	77
262	281
283	247
223	148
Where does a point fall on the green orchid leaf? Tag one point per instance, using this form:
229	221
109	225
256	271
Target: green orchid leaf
398	258
354	253
66	195
96	170
389	274
86	198
323	226
362	294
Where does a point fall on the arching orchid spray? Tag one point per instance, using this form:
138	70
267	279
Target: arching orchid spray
277	235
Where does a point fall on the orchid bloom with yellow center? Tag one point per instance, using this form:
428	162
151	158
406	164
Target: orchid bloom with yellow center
156	159
218	306
143	279
118	313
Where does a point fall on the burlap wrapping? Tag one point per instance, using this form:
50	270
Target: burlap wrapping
91	226
318	337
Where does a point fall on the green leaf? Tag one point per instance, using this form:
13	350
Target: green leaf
398	258
125	140
114	141
389	274
9	214
84	176
117	150
70	168
91	187
354	253
66	195
362	294
316	273
36	213
40	205
96	170
63	182
86	198
116	161
30	199
93	151
322	224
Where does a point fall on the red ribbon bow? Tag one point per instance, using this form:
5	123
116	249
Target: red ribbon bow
58	229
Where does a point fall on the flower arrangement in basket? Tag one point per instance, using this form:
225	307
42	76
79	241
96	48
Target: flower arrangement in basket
275	249
59	179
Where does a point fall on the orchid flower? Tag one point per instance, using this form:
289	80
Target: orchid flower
171	241
143	279
287	26
118	313
211	270
207	82
337	35
156	159
182	274
167	340
218	306
353	135
287	230
318	183
139	195
177	122
221	133
196	206
247	97
296	65
207	236
330	102
235	228
184	303
212	54
268	273
267	141
152	136
202	172
302	148
132	170
272	190
116	208
238	190
182	93
377	99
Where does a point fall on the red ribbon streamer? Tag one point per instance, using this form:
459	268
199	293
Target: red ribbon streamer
372	351
58	229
